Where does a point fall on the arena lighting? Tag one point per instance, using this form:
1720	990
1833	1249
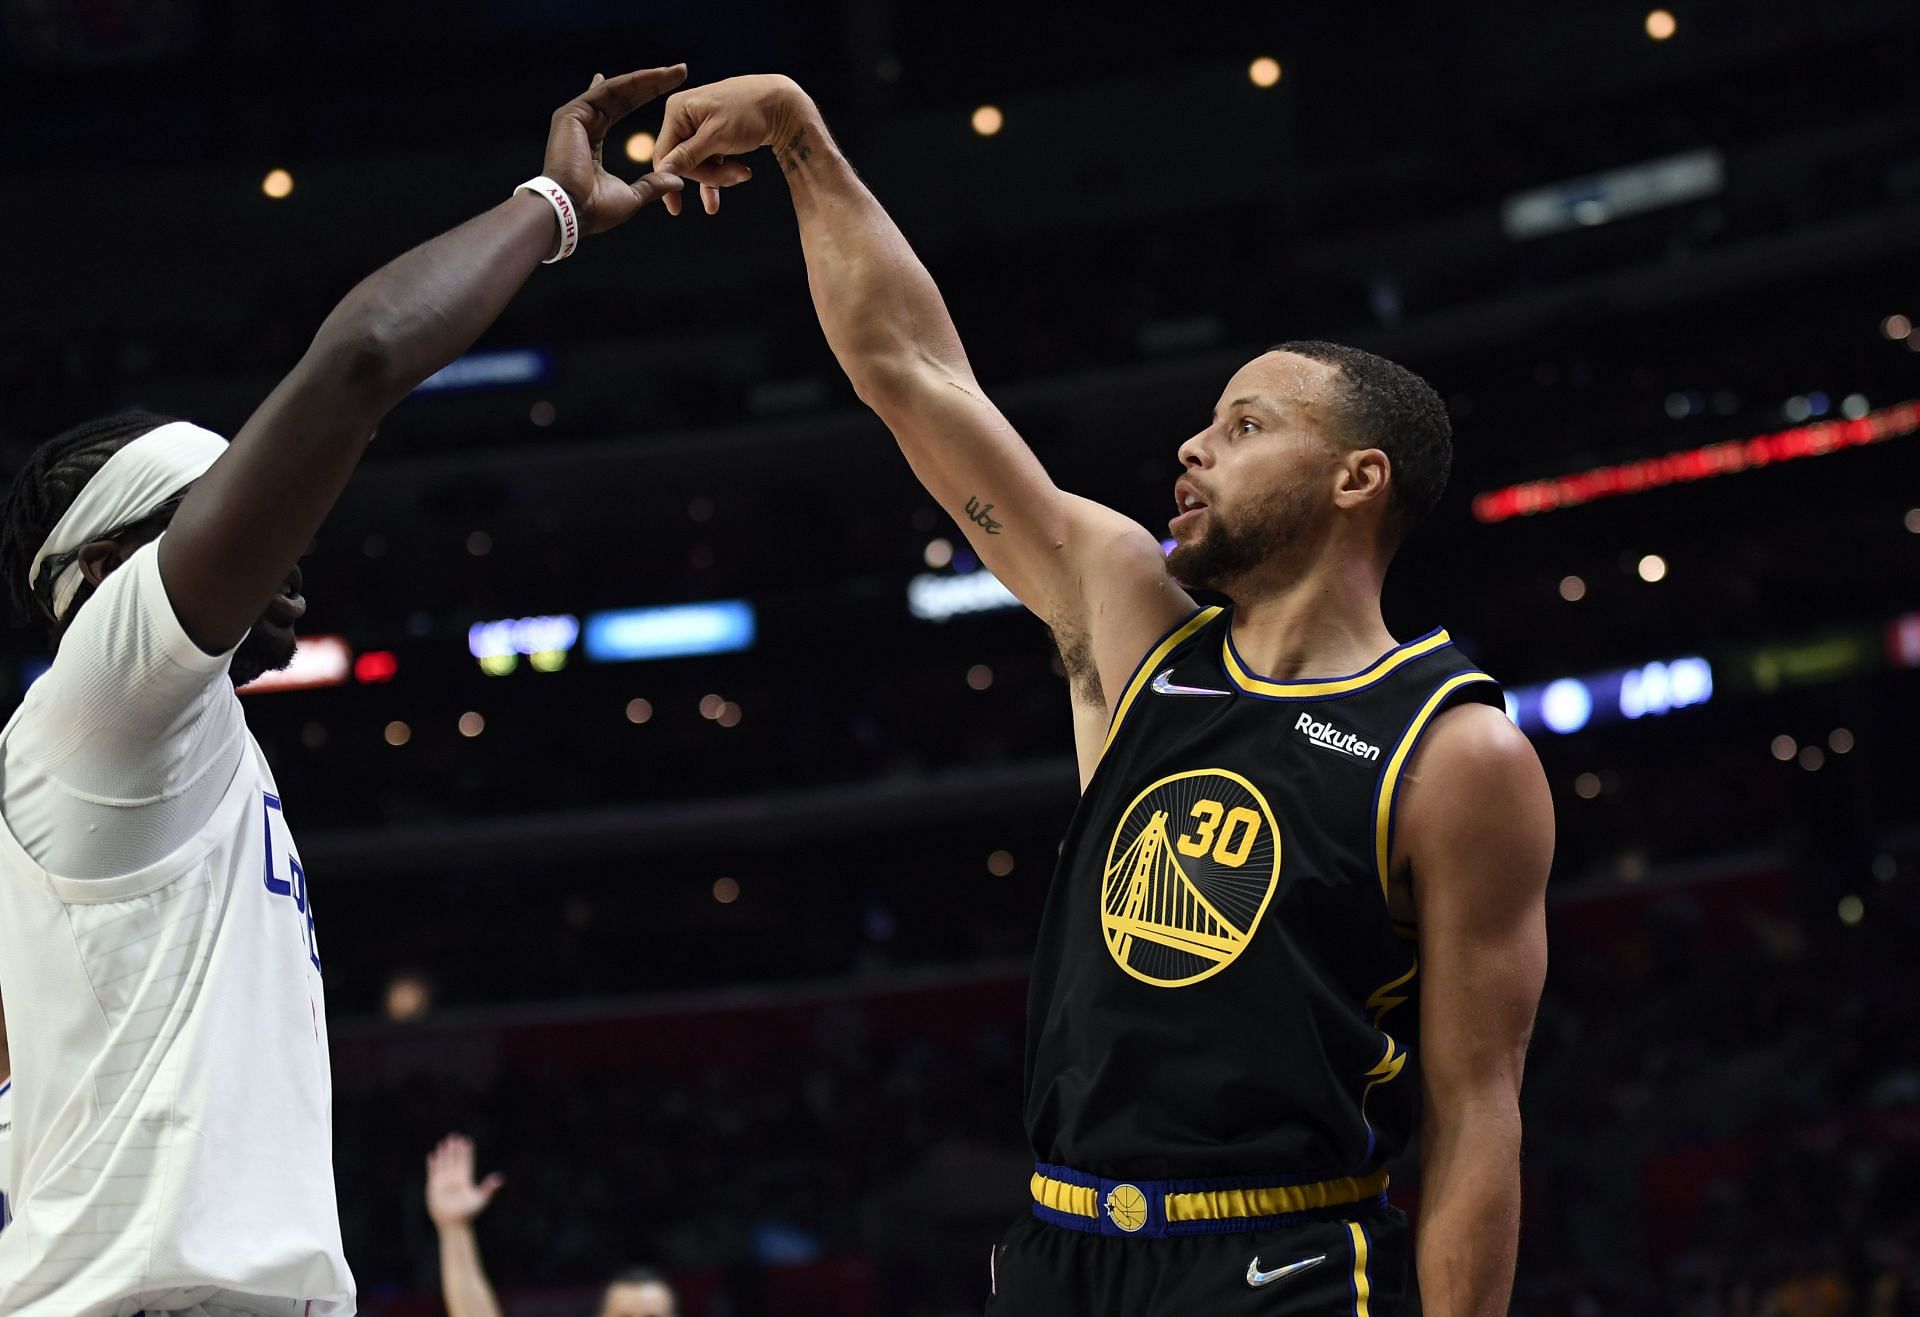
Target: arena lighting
987	120
318	661
677	631
1264	72
640	148
937	598
545	642
1660	25
1569	704
1688	465
278	184
1580	203
497	369
376	667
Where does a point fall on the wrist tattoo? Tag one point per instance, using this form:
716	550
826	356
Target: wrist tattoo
796	153
981	516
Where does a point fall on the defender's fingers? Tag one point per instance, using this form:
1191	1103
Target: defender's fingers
658	187
673	202
613	99
710	198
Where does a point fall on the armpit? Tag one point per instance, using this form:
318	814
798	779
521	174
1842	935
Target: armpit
1076	655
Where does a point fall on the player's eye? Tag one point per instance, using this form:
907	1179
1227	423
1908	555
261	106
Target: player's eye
1245	425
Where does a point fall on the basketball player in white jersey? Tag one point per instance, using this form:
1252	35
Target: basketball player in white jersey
6	1126
173	1142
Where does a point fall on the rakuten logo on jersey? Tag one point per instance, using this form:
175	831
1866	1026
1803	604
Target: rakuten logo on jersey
1329	737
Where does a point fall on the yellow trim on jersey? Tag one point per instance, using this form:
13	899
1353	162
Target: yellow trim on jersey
1144	673
1221	1204
1390	780
1073	1199
1362	1288
1293	690
1280	1200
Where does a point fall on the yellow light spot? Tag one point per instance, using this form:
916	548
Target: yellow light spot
1572	589
1852	910
1264	72
1000	863
472	724
1653	568
1661	25
398	733
987	120
726	890
408	997
640	148
278	184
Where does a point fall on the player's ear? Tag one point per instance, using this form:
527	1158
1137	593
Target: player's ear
99	558
1362	477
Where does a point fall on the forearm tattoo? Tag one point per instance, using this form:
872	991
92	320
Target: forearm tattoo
796	152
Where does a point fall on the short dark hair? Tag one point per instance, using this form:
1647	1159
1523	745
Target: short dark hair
46	486
1381	404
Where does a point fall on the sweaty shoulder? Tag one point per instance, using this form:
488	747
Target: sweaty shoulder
1475	784
1126	601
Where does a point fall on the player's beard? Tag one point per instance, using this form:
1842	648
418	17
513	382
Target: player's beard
261	652
1227	550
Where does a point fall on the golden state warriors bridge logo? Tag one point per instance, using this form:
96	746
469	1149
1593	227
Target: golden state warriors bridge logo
1189	874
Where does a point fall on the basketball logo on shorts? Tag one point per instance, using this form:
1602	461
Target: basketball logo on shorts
1189	874
1127	1207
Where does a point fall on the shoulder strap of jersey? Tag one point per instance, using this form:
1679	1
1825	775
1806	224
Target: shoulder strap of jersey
1475	685
1155	656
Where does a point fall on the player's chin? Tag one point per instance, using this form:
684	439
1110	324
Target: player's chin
268	648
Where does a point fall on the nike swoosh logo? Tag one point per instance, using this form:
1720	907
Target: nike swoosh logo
1163	685
1257	1277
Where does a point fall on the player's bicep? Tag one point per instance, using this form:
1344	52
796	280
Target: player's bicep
1479	826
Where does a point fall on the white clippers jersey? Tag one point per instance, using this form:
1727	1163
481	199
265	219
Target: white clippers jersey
173	1131
6	1150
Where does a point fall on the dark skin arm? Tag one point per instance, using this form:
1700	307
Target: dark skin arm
246	521
1477	840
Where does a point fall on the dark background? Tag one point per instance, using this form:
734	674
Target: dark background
806	1099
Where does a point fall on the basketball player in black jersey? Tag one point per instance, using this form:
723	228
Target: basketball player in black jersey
1295	915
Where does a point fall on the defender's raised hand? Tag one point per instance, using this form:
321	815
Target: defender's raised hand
705	125
579	133
454	1197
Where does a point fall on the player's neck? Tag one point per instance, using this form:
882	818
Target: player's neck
1321	623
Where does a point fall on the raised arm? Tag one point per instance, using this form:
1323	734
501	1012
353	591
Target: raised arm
246	521
1477	820
1096	577
454	1200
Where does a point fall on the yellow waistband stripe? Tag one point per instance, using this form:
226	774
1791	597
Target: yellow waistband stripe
1279	1200
1073	1199
1223	1204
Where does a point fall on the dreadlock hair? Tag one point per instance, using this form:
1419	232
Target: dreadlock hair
1381	404
45	488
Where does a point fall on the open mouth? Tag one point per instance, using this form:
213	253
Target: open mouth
1188	505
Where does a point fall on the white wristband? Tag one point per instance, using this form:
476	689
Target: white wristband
556	196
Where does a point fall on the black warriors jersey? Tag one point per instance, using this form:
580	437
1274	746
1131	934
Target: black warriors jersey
1219	988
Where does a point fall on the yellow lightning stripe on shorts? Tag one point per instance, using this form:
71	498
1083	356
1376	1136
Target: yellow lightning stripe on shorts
1362	1289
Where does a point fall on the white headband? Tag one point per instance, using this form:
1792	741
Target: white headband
128	488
